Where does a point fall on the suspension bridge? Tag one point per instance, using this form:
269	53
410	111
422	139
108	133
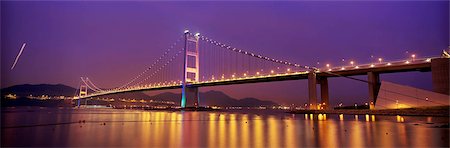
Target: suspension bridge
195	61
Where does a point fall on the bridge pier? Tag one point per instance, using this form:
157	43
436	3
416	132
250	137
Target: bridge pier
440	75
313	80
374	87
190	93
323	81
312	90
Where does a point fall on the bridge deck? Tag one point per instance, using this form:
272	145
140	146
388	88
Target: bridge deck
393	67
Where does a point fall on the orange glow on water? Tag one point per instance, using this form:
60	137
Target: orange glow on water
212	130
273	130
232	131
222	129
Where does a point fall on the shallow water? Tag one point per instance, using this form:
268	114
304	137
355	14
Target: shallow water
243	128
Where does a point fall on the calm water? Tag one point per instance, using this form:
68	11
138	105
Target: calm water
111	127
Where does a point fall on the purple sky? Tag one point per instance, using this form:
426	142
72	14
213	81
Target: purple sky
110	42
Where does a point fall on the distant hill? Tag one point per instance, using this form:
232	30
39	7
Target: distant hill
59	90
39	89
209	98
218	98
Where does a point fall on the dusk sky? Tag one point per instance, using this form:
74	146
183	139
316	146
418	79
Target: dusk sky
111	42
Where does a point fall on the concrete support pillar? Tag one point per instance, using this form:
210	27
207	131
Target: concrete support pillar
374	87
191	93
312	90
324	93
440	75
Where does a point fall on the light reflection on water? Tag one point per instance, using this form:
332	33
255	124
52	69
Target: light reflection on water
108	127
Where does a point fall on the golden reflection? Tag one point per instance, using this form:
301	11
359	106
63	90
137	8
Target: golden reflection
194	134
306	116
218	129
212	130
232	131
273	131
222	131
157	129
172	130
356	117
180	117
258	135
331	133
289	132
311	116
356	135
245	135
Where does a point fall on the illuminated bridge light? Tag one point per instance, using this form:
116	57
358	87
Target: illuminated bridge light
388	64
372	65
329	69
342	68
356	67
428	60
407	62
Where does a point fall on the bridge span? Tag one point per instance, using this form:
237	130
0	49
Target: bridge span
319	76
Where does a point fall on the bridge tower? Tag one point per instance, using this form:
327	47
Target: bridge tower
190	69
83	92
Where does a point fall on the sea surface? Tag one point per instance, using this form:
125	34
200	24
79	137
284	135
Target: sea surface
61	127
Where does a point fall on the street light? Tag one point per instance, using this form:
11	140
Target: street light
413	57
380	59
